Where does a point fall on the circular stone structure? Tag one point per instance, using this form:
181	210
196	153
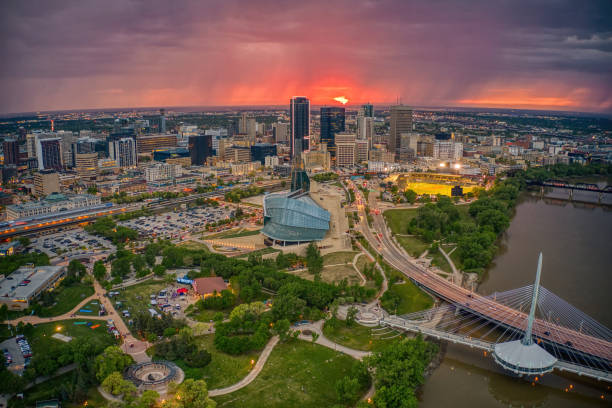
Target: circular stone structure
154	375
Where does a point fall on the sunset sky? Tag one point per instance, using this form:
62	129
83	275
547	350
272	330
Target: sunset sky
551	54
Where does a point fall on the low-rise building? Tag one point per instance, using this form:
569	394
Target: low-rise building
53	203
20	288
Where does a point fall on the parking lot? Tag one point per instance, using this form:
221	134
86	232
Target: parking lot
175	224
70	241
12	351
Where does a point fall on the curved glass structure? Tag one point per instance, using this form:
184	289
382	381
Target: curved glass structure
290	219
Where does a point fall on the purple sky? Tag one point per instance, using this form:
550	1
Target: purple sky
89	54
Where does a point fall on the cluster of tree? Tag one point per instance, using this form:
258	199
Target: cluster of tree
322	177
9	264
183	347
123	262
123	198
99	270
189	394
237	194
143	212
563	171
208	202
398	370
314	260
107	228
248	329
434	221
75	273
350	387
372	273
218	301
151	327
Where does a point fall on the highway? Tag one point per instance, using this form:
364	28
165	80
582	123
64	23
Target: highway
473	302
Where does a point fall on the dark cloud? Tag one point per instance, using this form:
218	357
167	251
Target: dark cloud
60	54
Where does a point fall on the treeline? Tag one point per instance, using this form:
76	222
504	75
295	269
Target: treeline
322	177
107	228
237	194
564	171
9	264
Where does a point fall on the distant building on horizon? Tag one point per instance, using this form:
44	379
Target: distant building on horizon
299	111
332	122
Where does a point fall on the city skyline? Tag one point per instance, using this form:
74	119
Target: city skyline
73	55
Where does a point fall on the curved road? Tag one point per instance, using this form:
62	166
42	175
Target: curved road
489	308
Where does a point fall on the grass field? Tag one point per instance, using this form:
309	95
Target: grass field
359	337
136	298
297	374
414	246
41	340
413	299
398	220
93	305
362	261
52	389
440	261
233	233
223	370
194	246
335	258
331	274
67	298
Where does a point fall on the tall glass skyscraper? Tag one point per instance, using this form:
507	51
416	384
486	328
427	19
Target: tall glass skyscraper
200	148
332	122
299	109
368	110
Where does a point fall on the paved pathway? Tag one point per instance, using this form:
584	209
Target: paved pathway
252	374
324	341
457	275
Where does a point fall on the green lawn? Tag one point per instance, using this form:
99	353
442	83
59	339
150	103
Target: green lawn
136	298
67	298
263	251
359	337
206	315
413	299
41	340
413	245
440	261
398	220
362	261
194	246
297	374
223	370
233	233
335	258
93	305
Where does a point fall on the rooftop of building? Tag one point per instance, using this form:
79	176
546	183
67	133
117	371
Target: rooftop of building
52	199
26	281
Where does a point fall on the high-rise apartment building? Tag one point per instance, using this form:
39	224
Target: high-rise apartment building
447	150
365	127
332	122
362	149
49	153
401	122
162	120
299	110
200	148
346	151
280	131
46	182
10	148
162	171
123	152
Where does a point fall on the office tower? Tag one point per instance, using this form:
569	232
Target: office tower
200	148
86	165
408	146
162	120
332	122
345	149
67	139
46	182
242	123
49	153
123	152
260	151
401	122
31	144
251	129
368	110
447	150
299	110
362	149
280	131
10	148
425	148
150	143
365	128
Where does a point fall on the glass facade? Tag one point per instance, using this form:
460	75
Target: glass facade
294	219
332	122
299	110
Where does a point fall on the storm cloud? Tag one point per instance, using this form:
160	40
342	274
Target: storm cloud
92	54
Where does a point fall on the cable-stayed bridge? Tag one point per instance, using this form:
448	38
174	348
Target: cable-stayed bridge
529	330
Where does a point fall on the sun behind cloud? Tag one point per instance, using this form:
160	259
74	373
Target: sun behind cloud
341	99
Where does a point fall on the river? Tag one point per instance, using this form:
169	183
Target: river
576	242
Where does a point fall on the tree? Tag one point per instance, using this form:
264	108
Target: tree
99	270
111	360
159	270
116	385
347	388
411	196
350	315
190	394
314	336
281	328
148	399
314	260
24	241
